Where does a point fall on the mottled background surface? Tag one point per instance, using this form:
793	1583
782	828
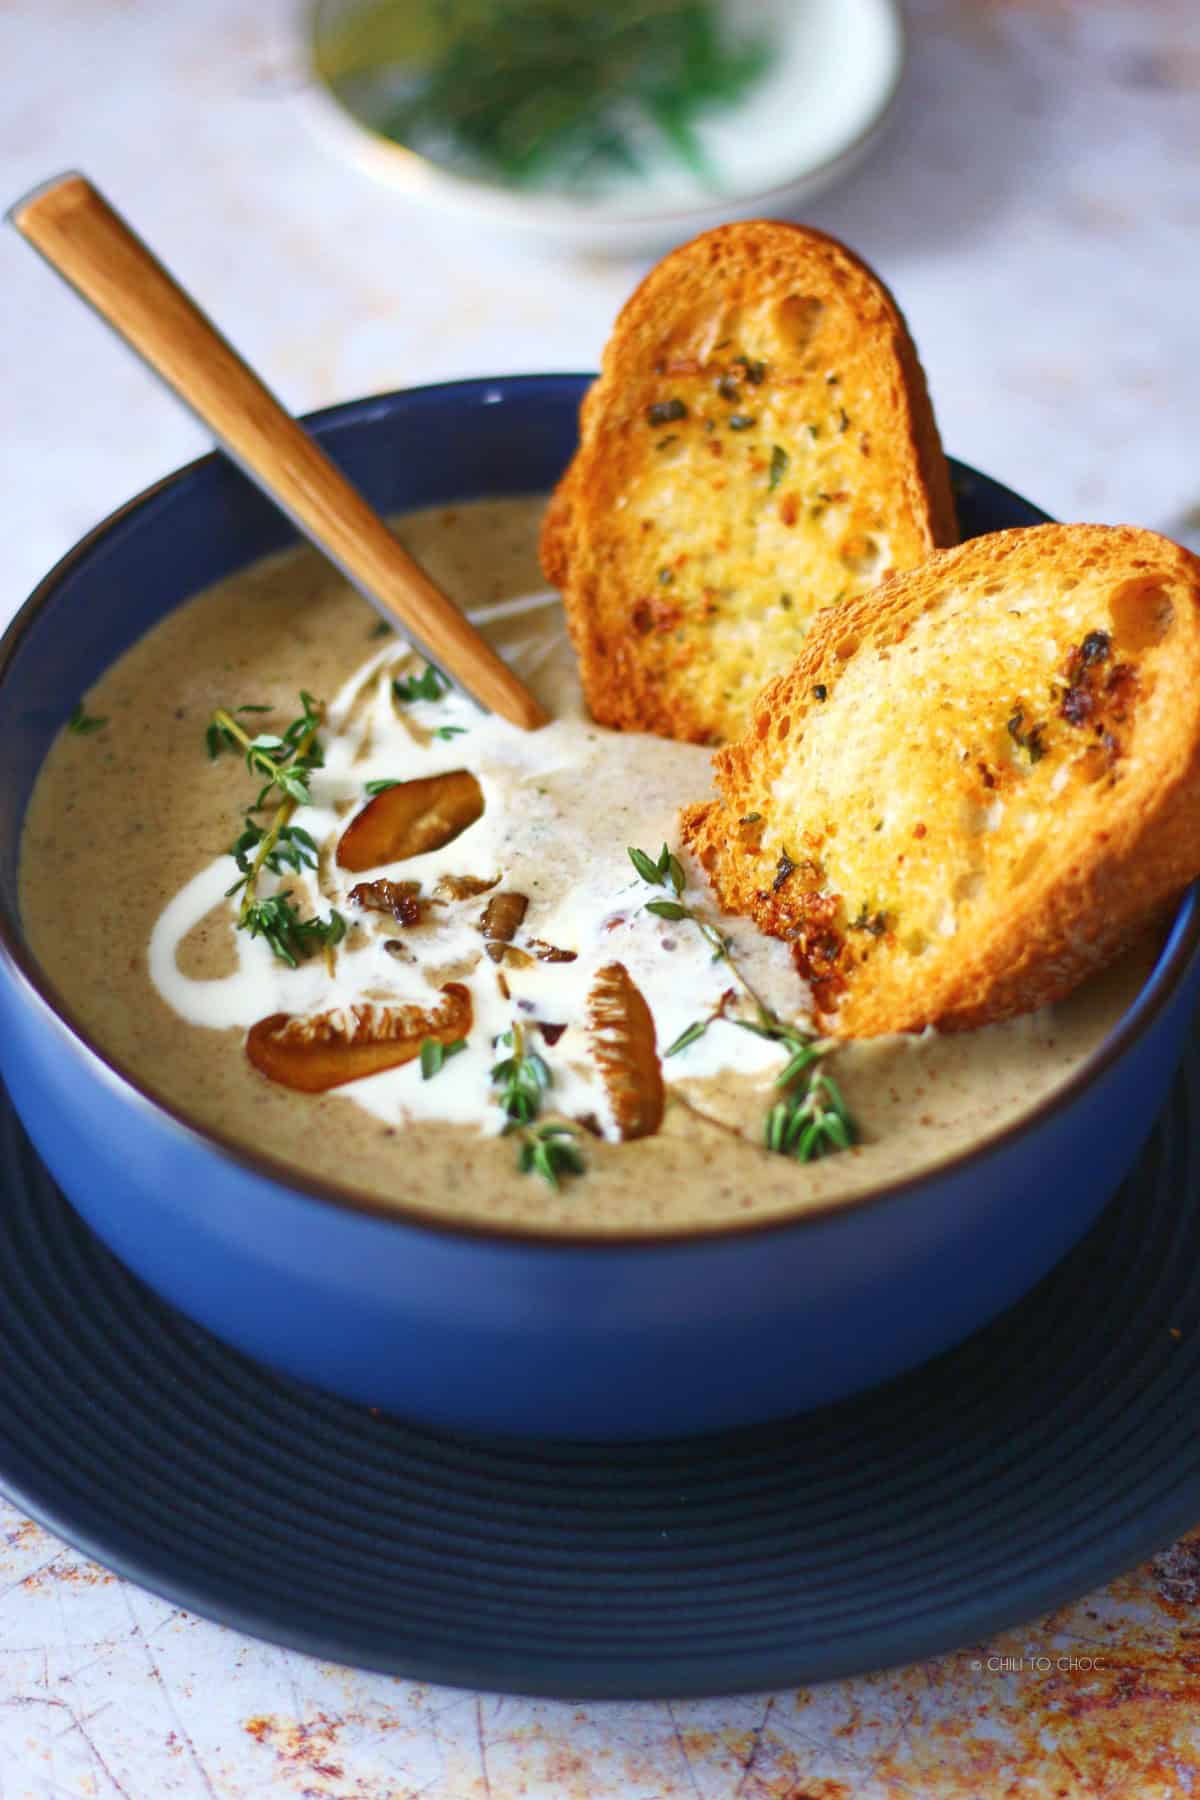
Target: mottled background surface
1036	207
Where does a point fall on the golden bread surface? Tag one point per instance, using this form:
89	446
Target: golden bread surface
759	446
975	784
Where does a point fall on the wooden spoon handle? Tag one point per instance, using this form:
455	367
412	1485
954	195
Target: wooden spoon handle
90	245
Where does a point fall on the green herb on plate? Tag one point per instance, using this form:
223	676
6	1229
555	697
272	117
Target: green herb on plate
564	91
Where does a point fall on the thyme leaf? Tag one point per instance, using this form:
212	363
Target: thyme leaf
430	684
434	1055
551	1152
83	724
1029	738
689	1036
665	870
648	870
779	467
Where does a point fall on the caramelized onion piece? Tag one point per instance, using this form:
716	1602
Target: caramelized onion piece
400	898
621	1028
314	1054
462	887
501	917
508	953
410	818
550	953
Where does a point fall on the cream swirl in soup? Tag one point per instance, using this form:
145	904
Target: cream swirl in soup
561	807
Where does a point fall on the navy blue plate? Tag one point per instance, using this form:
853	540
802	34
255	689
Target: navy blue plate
1047	1453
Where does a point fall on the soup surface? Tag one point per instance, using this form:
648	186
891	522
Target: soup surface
126	867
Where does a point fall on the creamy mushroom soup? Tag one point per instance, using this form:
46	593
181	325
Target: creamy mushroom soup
459	991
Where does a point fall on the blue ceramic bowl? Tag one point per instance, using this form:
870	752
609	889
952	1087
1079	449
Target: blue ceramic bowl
493	1330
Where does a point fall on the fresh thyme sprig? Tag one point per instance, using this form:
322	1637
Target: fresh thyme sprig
521	1078
292	938
551	1152
285	764
666	871
294	848
548	1150
811	1118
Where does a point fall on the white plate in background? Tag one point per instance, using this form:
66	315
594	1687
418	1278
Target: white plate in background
835	74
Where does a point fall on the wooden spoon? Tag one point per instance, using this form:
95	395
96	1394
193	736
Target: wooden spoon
90	245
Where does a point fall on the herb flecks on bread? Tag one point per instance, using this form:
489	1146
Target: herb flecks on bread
975	785
759	446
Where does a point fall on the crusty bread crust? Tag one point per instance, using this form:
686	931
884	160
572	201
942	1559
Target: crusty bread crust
759	445
984	777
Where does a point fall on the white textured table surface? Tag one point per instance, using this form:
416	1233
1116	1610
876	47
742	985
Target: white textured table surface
1036	207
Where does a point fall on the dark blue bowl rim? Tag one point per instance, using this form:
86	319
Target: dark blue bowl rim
1171	966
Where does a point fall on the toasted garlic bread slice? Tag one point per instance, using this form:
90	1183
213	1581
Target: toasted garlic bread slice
759	446
974	784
